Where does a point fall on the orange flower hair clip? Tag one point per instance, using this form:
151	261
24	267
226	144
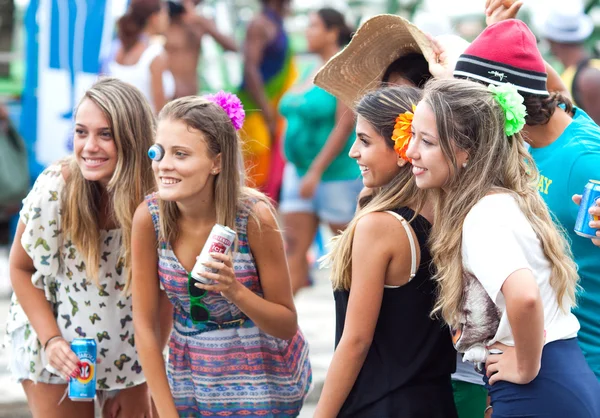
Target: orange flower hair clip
402	133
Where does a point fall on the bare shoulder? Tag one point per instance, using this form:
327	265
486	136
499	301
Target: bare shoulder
262	215
258	27
65	170
379	229
588	81
142	219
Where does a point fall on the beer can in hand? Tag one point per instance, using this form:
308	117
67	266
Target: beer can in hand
83	387
591	194
220	240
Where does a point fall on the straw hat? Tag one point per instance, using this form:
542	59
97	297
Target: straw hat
360	66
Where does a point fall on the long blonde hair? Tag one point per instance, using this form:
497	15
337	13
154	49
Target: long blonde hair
380	108
218	131
132	128
469	117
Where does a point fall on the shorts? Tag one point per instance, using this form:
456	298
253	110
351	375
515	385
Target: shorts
334	201
470	399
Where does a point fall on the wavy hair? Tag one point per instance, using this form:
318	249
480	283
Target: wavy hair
132	127
220	136
380	108
469	117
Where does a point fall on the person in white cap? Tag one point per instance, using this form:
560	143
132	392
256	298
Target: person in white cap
566	29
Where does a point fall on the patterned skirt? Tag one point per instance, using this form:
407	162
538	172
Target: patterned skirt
238	372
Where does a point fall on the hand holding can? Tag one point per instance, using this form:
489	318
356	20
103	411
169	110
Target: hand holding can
588	217
83	386
220	240
61	357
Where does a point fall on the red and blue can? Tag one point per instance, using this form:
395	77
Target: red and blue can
83	387
591	194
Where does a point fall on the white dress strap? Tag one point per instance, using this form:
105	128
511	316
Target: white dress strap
411	241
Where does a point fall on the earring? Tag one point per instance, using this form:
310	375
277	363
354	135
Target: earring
464	164
214	171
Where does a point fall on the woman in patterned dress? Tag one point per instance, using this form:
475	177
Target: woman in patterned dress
235	348
69	262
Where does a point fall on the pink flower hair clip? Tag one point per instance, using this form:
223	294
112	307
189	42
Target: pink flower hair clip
231	104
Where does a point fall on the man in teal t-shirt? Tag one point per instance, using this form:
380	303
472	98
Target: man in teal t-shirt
565	148
565	167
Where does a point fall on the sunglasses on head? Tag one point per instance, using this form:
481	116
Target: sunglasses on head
198	310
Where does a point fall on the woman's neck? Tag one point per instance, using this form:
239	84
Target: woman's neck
198	209
328	52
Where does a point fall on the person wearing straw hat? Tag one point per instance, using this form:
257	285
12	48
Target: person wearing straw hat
385	49
566	29
390	50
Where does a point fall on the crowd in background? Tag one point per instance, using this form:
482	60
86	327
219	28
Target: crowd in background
448	172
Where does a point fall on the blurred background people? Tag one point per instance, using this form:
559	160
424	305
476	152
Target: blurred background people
184	43
566	29
268	73
140	58
320	182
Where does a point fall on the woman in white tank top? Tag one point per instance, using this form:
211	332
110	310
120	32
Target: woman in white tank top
140	58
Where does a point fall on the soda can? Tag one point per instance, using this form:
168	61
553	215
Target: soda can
83	387
591	194
220	240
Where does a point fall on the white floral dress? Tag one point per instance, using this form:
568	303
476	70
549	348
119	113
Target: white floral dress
82	308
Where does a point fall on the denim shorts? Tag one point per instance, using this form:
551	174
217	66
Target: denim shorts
333	202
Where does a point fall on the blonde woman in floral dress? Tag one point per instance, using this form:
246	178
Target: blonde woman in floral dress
69	262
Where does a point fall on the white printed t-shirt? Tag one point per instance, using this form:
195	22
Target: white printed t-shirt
497	241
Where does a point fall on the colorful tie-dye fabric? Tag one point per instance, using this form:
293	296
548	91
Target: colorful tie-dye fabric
234	372
82	308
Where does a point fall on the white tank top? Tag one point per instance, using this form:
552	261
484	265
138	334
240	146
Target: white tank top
138	74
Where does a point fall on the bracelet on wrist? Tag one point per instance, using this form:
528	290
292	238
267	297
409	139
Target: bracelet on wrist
487	409
50	339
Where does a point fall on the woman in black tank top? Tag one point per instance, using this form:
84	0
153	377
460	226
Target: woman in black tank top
391	358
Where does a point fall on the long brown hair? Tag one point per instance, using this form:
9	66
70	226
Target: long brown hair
132	128
133	22
218	131
468	117
380	108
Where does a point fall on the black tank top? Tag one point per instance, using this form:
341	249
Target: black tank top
407	370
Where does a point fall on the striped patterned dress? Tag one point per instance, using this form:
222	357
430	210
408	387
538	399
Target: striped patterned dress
233	372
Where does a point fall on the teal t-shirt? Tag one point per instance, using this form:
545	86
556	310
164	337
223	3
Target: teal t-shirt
565	167
310	117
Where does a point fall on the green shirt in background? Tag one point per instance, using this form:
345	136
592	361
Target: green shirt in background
310	117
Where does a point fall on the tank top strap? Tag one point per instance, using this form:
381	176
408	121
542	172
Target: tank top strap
411	241
152	203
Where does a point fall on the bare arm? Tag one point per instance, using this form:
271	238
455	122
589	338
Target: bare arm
34	303
333	147
38	309
146	296
554	82
254	46
526	317
373	245
525	310
227	42
157	68
588	85
276	313
344	125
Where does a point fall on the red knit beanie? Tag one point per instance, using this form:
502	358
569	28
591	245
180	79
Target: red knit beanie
505	52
